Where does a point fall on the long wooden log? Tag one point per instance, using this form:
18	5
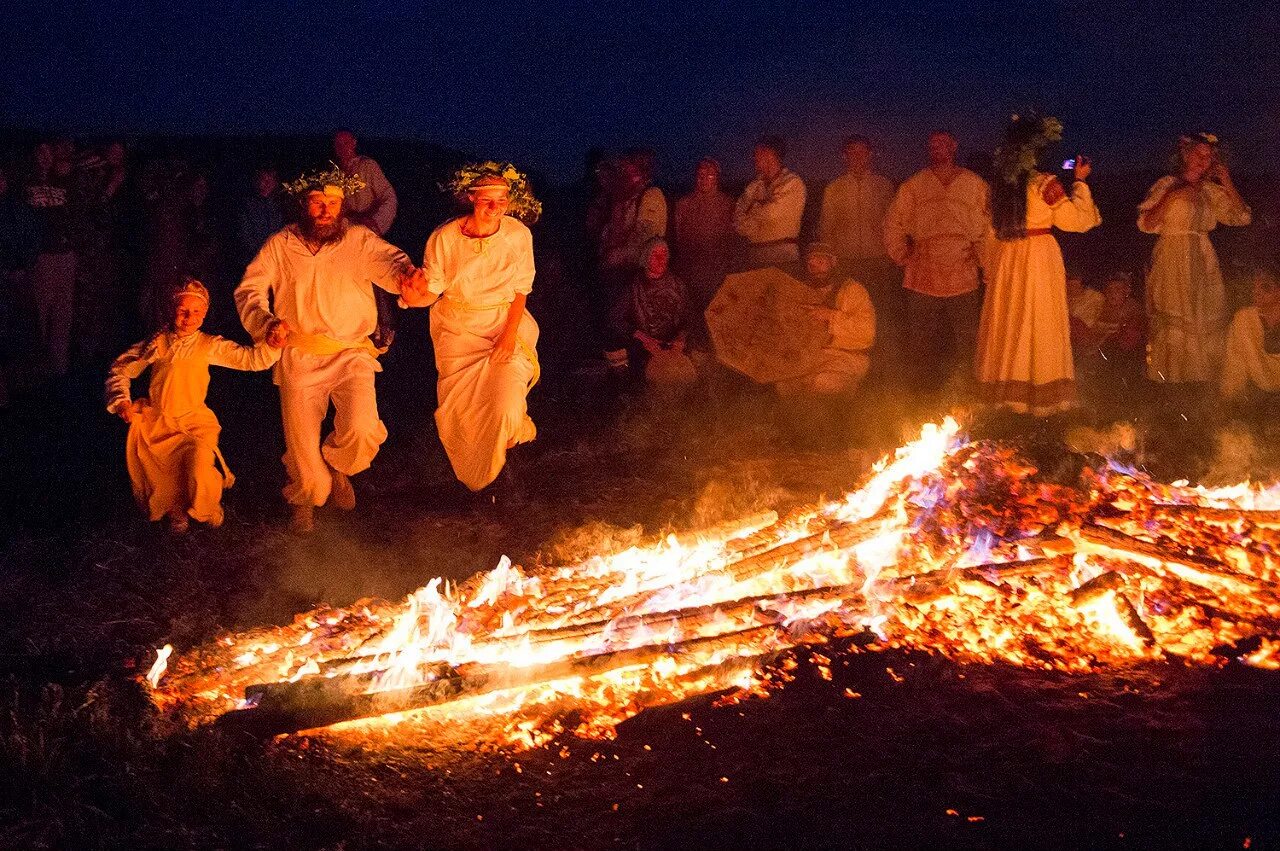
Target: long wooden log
741	566
1214	514
277	712
684	620
1195	569
1096	588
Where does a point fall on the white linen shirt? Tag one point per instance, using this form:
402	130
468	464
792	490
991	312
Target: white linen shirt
329	292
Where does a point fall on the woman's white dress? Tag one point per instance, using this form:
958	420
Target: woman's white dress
482	410
1024	339
1185	294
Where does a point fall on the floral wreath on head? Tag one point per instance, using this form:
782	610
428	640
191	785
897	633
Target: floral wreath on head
523	205
1187	141
1209	139
319	180
1027	136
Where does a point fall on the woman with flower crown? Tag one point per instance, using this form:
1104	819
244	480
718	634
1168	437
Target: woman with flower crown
1024	339
479	272
1186	298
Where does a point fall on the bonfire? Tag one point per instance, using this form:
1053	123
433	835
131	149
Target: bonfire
951	546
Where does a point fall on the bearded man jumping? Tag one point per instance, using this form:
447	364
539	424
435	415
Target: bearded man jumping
310	289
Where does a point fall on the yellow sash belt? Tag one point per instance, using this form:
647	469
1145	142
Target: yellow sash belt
321	345
524	347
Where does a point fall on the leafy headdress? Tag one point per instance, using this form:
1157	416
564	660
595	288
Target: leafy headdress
331	181
523	205
1025	138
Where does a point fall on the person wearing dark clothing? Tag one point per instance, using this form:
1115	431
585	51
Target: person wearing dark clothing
650	319
53	276
19	246
262	214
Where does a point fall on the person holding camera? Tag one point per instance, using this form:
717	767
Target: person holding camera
1186	298
1024	338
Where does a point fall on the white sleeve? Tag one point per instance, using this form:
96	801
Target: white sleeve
1077	213
524	268
897	225
253	296
1154	194
124	369
853	325
433	262
385	264
232	355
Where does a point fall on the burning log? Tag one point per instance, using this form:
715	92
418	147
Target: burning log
682	621
917	588
1196	569
1212	514
1096	588
289	707
1132	619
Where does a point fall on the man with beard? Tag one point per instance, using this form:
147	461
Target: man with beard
311	289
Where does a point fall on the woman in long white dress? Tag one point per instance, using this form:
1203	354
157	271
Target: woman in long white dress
1186	298
478	273
1024	338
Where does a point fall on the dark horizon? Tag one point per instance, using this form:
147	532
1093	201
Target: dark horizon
542	83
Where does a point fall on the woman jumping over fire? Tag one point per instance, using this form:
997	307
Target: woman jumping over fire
479	268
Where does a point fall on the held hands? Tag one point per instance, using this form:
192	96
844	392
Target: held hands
504	349
278	333
414	291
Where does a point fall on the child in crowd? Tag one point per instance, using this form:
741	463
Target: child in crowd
1084	304
1121	330
172	445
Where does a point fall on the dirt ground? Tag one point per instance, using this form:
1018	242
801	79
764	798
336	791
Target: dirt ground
929	754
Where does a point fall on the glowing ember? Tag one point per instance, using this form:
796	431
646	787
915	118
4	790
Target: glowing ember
951	546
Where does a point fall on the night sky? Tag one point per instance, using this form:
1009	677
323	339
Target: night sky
541	82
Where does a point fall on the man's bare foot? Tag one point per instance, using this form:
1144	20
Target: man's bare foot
302	520
341	493
179	523
216	520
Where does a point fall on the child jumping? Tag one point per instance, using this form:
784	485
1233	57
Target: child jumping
172	445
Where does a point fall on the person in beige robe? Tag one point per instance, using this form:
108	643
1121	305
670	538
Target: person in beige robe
172	448
1186	296
1252	363
1024	358
478	275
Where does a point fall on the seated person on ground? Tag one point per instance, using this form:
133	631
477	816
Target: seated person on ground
651	319
845	307
1121	330
1251	366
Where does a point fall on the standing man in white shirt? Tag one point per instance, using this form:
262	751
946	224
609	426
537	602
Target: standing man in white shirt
852	223
935	229
375	207
769	211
